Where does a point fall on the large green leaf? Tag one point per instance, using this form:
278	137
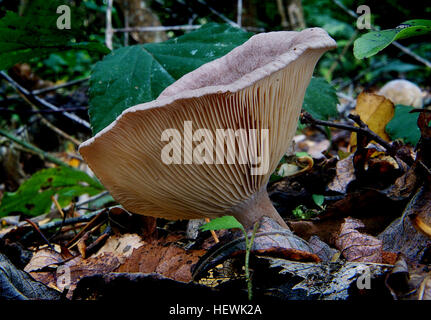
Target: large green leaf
372	42
404	125
139	73
320	99
35	34
34	196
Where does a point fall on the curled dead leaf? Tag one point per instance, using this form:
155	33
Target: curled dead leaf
409	281
356	246
345	175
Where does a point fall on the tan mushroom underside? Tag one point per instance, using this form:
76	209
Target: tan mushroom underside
126	156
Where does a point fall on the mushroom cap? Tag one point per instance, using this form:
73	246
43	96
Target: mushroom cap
404	92
258	85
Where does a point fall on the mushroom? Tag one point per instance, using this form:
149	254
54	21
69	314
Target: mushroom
206	147
404	92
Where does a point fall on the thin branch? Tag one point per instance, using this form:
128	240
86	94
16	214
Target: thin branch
186	27
89	225
66	222
345	96
36	227
108	31
44	155
239	13
126	25
220	15
60	86
91	199
342	54
59	131
412	54
363	129
157	28
33	98
282	13
41	111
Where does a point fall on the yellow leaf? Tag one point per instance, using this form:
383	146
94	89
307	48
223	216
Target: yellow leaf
74	163
376	111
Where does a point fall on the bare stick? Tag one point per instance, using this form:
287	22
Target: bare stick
44	155
126	25
157	28
216	239
281	11
91	199
36	227
412	54
40	111
239	13
108	31
70	221
220	15
306	118
60	86
31	97
59	131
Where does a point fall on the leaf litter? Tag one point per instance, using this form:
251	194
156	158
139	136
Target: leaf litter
372	216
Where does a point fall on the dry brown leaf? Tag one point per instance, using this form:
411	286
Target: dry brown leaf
345	175
121	246
42	259
71	271
409	281
420	211
168	260
376	111
356	246
121	253
322	249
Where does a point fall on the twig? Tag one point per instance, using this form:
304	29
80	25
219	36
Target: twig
98	242
220	15
341	55
63	215
84	218
60	86
40	111
168	28
36	227
363	129
66	222
31	97
59	131
109	31
57	205
157	28
46	122
239	13
89	225
91	199
411	53
216	239
345	96
281	11
347	10
44	155
126	25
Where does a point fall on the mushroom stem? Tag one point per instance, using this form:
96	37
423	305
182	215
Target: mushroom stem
259	205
